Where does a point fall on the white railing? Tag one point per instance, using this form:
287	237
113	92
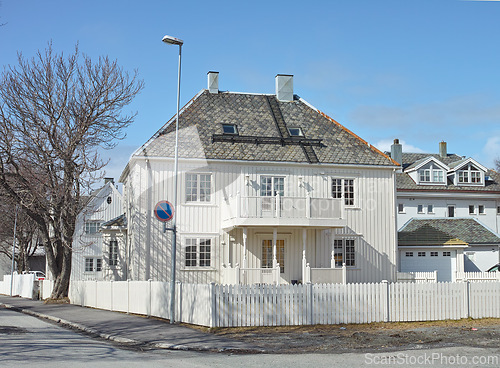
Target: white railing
417	276
279	305
325	275
477	276
282	207
248	276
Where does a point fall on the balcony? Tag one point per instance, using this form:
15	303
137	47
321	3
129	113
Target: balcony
282	211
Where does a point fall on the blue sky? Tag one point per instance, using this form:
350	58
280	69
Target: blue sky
422	71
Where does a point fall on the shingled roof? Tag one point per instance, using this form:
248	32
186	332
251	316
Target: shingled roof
420	232
405	183
260	137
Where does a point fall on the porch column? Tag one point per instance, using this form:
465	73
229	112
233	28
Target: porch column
460	262
275	239
244	247
332	259
304	261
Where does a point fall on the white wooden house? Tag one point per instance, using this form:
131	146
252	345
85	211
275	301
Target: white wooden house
98	255
271	190
448	213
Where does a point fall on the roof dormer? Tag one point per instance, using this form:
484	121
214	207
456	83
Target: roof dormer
428	171
468	172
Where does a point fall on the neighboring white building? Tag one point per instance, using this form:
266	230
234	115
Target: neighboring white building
436	193
97	254
270	190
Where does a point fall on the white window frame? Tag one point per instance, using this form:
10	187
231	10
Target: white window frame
187	192
420	208
430	208
114	251
273	185
348	202
342	247
234	129
473	208
481	209
428	175
199	261
92	225
95	261
470	175
401	208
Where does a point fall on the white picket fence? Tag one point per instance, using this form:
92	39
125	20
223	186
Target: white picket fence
286	305
417	276
23	285
477	276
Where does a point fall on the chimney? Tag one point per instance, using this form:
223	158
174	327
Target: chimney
442	149
213	82
109	180
284	87
397	151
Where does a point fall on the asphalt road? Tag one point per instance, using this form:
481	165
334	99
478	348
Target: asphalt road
27	340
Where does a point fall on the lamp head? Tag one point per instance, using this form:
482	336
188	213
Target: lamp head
172	40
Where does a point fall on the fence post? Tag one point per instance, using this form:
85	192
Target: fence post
128	296
237	274
387	304
344	273
149	297
467	298
310	313
213	306
111	294
95	299
178	301
435	276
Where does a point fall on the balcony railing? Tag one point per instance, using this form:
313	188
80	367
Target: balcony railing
283	207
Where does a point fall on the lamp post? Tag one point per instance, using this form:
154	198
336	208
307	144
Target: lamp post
175	41
13	252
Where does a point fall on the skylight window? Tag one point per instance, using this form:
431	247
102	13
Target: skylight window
295	132
230	129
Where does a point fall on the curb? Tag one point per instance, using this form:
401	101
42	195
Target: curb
124	340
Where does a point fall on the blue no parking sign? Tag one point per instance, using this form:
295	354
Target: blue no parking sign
164	211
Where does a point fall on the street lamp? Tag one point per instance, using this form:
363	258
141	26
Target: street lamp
175	41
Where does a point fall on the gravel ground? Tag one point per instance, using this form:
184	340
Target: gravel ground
374	337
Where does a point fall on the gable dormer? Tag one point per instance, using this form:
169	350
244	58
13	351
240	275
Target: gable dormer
467	172
428	171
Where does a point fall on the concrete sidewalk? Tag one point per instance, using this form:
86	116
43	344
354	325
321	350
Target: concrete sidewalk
127	329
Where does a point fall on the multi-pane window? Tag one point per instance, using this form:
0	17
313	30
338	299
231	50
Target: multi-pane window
430	208
198	252
425	175
343	188
270	186
344	251
92	227
446	254
113	253
409	254
421	254
198	187
481	209
437	176
469	174
434	254
401	208
267	254
420	208
93	264
471	209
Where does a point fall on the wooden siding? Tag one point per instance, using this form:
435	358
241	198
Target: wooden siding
150	181
92	245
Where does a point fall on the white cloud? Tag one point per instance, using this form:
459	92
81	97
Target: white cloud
491	151
385	146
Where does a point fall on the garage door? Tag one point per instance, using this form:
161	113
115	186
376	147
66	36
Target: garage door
424	260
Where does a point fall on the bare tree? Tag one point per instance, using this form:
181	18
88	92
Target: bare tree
55	112
27	235
497	164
